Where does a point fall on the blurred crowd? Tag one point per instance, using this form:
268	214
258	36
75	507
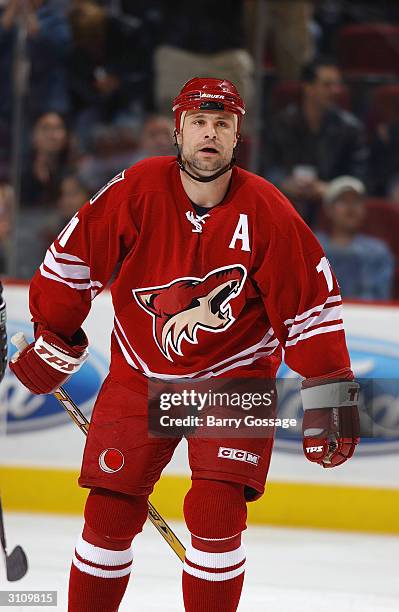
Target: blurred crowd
97	79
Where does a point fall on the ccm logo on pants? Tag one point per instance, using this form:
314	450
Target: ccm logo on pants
238	455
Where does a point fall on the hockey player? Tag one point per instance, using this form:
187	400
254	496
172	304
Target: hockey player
215	274
3	335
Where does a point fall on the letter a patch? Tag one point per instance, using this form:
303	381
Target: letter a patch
241	233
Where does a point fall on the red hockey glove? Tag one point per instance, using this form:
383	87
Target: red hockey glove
47	363
331	421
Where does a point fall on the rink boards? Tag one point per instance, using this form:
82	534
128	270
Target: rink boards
40	456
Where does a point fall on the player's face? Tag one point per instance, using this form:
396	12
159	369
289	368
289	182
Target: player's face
207	140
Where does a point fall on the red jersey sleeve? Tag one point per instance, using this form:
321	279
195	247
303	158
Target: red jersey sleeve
81	261
302	297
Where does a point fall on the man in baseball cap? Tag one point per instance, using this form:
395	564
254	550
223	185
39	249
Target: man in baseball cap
363	264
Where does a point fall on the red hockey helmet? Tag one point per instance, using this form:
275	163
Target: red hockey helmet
203	93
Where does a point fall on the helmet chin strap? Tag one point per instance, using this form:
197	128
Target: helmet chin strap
203	179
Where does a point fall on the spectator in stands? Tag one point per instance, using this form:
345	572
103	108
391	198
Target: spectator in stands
288	33
307	145
145	17
202	38
5	150
51	152
111	149
156	138
363	265
106	66
393	192
48	38
73	194
115	148
332	15
6	199
384	161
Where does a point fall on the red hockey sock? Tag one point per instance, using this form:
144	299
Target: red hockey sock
213	571
103	557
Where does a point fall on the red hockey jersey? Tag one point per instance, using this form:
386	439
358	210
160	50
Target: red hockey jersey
193	296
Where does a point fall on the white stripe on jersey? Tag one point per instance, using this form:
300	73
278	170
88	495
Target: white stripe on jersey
66	256
252	352
334	313
305	315
56	268
315	332
266	341
124	351
80	286
312	322
243	362
66	270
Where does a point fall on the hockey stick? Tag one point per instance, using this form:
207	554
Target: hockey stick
16	562
76	415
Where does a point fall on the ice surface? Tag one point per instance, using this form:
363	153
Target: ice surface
288	570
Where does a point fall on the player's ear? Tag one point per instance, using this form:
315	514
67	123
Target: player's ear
178	138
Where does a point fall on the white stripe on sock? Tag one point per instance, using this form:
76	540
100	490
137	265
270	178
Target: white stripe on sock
102	556
100	573
215	560
211	576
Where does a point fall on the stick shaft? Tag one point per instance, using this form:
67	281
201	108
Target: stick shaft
2	531
81	421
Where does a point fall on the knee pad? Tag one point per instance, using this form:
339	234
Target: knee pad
113	519
215	510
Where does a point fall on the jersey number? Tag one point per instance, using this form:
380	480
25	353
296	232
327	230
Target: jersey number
67	231
323	267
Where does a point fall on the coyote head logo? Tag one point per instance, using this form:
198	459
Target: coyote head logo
183	306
